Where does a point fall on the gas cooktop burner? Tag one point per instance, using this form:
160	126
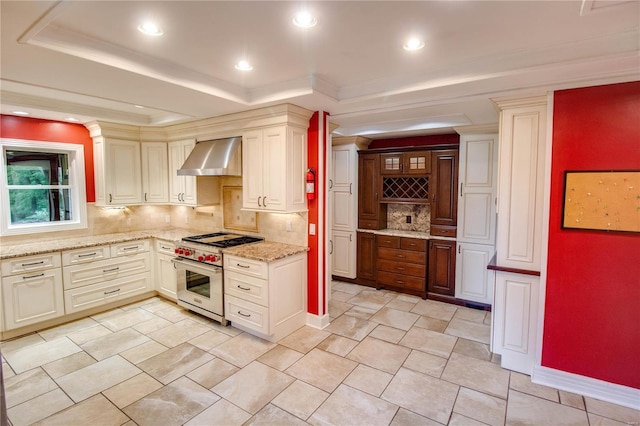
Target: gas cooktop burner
223	239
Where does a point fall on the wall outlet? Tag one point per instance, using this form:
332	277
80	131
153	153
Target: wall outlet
287	225
408	219
186	219
128	221
167	218
312	229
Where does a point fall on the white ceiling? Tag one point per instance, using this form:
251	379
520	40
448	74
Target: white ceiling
86	59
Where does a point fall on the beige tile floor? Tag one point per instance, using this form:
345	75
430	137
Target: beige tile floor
385	359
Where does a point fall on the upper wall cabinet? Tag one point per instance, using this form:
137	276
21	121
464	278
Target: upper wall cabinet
118	173
155	172
372	214
406	163
444	192
189	190
274	163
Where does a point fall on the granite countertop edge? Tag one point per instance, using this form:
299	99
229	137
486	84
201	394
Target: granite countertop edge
270	251
408	234
265	251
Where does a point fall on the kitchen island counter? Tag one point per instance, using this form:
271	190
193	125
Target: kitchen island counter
266	251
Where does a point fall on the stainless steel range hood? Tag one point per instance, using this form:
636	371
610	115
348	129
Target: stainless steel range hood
219	157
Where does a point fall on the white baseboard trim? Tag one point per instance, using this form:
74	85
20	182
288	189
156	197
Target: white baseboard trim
587	386
317	321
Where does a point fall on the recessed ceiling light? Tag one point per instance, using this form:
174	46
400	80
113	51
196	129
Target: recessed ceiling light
244	66
72	119
150	28
138	106
305	20
413	44
20	112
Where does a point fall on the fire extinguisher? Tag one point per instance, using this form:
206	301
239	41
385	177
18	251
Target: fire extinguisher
311	184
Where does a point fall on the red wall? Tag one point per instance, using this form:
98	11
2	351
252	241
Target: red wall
53	131
592	317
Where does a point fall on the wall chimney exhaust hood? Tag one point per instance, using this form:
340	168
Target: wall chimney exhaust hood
219	157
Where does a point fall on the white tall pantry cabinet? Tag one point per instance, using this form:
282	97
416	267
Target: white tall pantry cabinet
523	127
476	230
343	192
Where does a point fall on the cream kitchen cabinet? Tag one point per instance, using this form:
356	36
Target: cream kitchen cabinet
155	173
32	290
189	190
125	272
266	299
182	189
118	171
476	230
274	163
166	276
343	193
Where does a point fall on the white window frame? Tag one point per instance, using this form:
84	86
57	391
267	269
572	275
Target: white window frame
77	191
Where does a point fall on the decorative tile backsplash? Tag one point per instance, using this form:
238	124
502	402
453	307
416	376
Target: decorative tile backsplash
419	214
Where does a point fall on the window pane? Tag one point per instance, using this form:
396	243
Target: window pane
37	168
39	205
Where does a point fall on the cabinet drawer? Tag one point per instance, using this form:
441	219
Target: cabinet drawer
84	255
20	265
244	287
386	241
402	268
105	270
413	244
443	231
129	248
32	298
165	247
369	224
403	281
242	265
90	296
402	255
248	314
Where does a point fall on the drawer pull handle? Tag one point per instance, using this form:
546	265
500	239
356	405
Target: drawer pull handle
243	288
112	291
243	266
130	248
110	270
400	281
34	263
88	254
244	315
398	268
165	248
401	256
33	276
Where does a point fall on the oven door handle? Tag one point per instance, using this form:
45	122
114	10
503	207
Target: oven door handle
186	264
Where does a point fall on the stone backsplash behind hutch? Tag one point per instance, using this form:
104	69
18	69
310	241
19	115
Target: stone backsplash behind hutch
420	217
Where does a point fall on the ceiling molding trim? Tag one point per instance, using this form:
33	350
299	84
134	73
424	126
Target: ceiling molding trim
55	105
75	44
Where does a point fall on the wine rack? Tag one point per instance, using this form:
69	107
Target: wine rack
405	189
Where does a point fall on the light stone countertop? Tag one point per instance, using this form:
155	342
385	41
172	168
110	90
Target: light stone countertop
265	251
30	248
408	234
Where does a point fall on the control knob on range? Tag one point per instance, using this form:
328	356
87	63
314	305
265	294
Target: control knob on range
201	258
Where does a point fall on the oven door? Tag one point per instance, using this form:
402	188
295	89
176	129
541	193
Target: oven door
200	287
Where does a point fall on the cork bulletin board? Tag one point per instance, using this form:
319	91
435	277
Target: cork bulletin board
233	215
602	200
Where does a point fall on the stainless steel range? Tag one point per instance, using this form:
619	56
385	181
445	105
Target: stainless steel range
200	274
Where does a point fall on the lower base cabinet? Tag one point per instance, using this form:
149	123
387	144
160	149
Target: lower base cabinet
401	263
442	267
166	276
474	282
32	290
366	261
268	300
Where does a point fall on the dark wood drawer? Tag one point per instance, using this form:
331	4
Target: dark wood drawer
387	241
413	269
413	244
402	281
443	231
402	255
368	224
